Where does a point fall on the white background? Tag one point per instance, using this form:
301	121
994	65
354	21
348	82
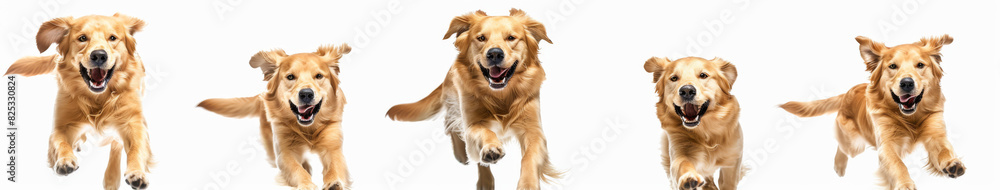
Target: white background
598	102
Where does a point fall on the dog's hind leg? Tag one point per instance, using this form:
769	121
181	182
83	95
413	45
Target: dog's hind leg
453	125
112	175
485	178
710	183
729	177
846	144
267	138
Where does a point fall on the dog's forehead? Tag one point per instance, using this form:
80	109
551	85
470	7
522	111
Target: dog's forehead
906	52
302	62
690	65
499	24
95	23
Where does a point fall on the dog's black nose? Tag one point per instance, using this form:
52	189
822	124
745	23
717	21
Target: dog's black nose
906	84
306	95
495	56
98	57
687	92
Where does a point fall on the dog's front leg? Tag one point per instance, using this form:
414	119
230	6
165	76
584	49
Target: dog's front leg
940	155
290	162
682	163
136	141
61	157
483	146
535	158
889	155
335	176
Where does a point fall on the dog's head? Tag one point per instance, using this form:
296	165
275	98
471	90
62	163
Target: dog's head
691	86
905	72
497	45
302	82
94	44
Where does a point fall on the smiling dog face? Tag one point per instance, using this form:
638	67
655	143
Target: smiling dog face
94	44
691	86
301	83
905	72
498	46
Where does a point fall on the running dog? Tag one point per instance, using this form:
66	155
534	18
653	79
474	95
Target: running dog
701	121
300	111
901	107
491	94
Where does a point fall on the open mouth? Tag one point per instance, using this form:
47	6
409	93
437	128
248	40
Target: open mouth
690	113
497	76
305	113
96	78
907	102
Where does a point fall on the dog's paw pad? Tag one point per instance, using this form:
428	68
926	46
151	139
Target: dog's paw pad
136	180
691	182
66	167
492	155
955	169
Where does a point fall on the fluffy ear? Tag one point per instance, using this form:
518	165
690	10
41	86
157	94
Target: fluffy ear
333	55
535	28
728	70
934	45
462	23
870	52
655	65
52	31
133	25
267	61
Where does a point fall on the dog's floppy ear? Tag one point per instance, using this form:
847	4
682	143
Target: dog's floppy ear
871	52
52	31
934	45
728	70
460	24
332	54
267	61
535	28
655	65
133	25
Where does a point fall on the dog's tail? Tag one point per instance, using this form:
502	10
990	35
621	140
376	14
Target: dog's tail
813	108
420	110
234	107
35	65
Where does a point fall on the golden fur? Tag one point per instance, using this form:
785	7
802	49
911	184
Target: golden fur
481	118
693	152
288	76
868	113
116	107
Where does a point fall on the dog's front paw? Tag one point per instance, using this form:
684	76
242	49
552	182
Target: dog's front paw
954	169
691	181
492	153
306	186
333	186
905	186
136	179
65	166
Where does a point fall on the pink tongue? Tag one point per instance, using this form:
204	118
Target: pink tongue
907	99
495	71
690	111
303	110
97	75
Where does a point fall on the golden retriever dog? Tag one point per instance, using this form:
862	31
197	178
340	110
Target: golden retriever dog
300	111
901	107
701	121
491	94
100	87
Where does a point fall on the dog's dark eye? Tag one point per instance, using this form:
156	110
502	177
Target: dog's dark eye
920	65
319	76
673	78
290	77
703	76
892	66
510	38
481	38
113	38
82	38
